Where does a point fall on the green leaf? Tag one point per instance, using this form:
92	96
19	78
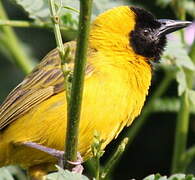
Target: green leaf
36	9
5	174
159	177
17	172
150	177
39	9
176	54
166	105
182	84
173	177
65	175
177	177
190	177
191	95
155	177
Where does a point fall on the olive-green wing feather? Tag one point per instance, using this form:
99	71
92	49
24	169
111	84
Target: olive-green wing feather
43	82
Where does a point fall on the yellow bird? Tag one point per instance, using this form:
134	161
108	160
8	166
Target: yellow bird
122	42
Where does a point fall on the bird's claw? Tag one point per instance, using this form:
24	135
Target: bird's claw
59	155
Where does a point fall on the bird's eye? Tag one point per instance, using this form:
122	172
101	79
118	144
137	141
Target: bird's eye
145	32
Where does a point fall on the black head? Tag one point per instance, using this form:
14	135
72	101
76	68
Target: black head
148	37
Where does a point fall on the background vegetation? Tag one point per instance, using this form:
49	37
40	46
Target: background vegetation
171	99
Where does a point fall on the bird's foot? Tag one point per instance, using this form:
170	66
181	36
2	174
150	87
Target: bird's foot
78	168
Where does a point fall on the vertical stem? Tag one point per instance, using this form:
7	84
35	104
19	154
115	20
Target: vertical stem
97	165
60	46
11	42
112	161
185	157
181	133
74	106
57	33
183	124
192	52
183	116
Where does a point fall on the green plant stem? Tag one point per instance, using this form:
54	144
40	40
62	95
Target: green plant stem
108	168
189	155
192	52
11	43
71	8
183	116
74	106
62	53
97	153
181	133
29	24
133	131
90	167
16	23
187	158
97	168
58	37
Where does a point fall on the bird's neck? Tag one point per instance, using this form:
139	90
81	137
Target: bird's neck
112	42
114	45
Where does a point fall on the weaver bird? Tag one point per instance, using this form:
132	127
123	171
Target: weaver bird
122	42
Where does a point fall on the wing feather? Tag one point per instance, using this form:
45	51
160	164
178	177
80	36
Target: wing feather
43	82
24	104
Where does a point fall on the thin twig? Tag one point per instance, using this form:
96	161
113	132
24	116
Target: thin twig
97	152
29	24
187	158
62	52
109	166
181	133
56	21
71	8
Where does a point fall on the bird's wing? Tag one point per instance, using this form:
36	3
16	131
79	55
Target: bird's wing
43	82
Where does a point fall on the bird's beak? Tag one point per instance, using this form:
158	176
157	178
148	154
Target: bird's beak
169	26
